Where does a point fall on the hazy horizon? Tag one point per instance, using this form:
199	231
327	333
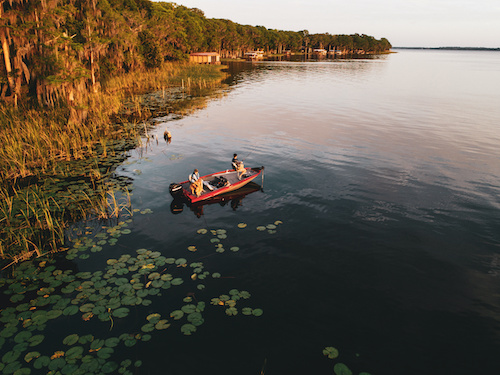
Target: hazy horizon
414	23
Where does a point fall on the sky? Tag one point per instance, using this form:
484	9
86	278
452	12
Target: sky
405	23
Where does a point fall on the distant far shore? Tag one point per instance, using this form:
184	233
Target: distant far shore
452	48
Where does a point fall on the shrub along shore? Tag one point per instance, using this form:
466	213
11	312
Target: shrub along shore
55	163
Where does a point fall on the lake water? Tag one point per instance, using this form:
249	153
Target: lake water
386	175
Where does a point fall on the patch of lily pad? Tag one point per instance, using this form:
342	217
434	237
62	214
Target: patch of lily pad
42	295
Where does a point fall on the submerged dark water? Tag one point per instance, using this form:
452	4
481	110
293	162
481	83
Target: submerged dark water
386	175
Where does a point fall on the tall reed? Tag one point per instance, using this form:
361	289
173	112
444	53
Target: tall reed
39	143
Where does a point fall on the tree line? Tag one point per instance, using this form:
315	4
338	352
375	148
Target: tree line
54	52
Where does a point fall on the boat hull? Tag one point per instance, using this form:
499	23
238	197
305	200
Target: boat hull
183	188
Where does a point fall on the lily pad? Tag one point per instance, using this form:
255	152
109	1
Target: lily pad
331	352
22	336
153	318
75	352
31	355
149	327
257	312
180	261
162	324
177	281
246	311
41	362
105	353
232	311
261	228
121	312
36	340
242	225
188	329
234	248
177	314
201	231
71	339
70	310
341	369
111	342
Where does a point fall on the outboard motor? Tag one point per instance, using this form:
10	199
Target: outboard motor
175	190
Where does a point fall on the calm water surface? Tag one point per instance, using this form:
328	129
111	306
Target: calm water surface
386	175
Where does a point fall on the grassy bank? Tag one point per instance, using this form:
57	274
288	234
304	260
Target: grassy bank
55	164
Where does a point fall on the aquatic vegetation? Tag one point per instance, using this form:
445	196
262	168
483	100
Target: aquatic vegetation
44	296
339	368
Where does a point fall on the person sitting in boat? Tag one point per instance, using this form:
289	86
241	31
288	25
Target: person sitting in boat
240	169
235	161
196	183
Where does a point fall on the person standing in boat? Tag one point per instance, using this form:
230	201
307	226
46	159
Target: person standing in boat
234	162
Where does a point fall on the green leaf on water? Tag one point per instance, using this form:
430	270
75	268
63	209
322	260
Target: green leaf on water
257	312
70	310
153	318
75	352
201	231
149	327
234	248
188	309
109	367
86	339
130	342
341	369
97	344
177	281
40	362
54	314
57	364
31	355
331	352
162	324
16	298
188	329
22	337
177	314
261	228
246	311
232	311
10	356
36	340
180	261
71	339
112	342
121	312
22	371
105	353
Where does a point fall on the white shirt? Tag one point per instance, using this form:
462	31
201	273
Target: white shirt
194	177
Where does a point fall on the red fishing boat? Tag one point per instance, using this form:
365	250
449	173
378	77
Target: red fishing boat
215	184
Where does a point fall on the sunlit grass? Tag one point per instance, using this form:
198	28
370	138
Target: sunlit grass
38	144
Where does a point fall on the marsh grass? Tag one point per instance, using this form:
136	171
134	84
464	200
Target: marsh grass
46	151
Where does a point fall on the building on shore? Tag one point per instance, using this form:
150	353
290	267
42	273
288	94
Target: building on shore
319	52
254	55
205	58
